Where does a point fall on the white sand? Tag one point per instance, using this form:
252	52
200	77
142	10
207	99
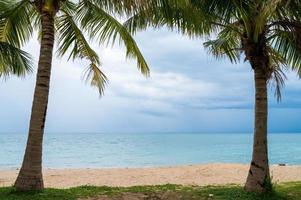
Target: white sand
207	174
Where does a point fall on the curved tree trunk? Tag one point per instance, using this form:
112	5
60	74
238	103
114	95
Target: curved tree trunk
30	176
258	179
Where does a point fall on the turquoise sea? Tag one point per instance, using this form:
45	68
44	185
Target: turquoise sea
94	150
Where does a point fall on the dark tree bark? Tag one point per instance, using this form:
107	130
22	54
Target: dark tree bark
30	176
258	179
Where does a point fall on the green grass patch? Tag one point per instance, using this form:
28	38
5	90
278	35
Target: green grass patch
284	191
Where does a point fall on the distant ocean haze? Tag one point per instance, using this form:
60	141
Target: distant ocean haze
111	150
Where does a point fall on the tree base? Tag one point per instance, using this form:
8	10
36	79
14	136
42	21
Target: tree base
258	181
29	183
255	188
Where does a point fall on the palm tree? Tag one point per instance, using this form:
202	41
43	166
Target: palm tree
266	32
68	23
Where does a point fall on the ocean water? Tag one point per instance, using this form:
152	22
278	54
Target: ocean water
93	150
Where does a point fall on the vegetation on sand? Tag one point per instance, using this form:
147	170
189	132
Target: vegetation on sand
287	191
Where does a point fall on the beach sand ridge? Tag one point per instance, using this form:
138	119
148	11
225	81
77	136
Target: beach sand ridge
201	175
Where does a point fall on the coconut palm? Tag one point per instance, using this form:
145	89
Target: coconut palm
266	32
68	23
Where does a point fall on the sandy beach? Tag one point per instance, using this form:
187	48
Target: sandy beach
205	174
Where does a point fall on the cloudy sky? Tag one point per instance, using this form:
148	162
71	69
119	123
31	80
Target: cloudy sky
188	91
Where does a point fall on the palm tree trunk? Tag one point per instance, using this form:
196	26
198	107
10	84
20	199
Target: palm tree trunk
258	179
30	176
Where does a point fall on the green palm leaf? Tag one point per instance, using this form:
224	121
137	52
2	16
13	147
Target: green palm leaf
15	22
176	15
13	61
226	44
71	39
106	29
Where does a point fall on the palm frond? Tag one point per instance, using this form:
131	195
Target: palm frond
14	61
226	44
265	11
95	77
122	7
288	44
106	29
71	39
277	80
15	22
181	16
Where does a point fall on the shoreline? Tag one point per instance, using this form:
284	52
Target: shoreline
148	166
200	175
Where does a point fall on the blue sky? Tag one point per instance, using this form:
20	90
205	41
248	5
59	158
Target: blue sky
188	91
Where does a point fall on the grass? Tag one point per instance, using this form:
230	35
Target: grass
285	191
